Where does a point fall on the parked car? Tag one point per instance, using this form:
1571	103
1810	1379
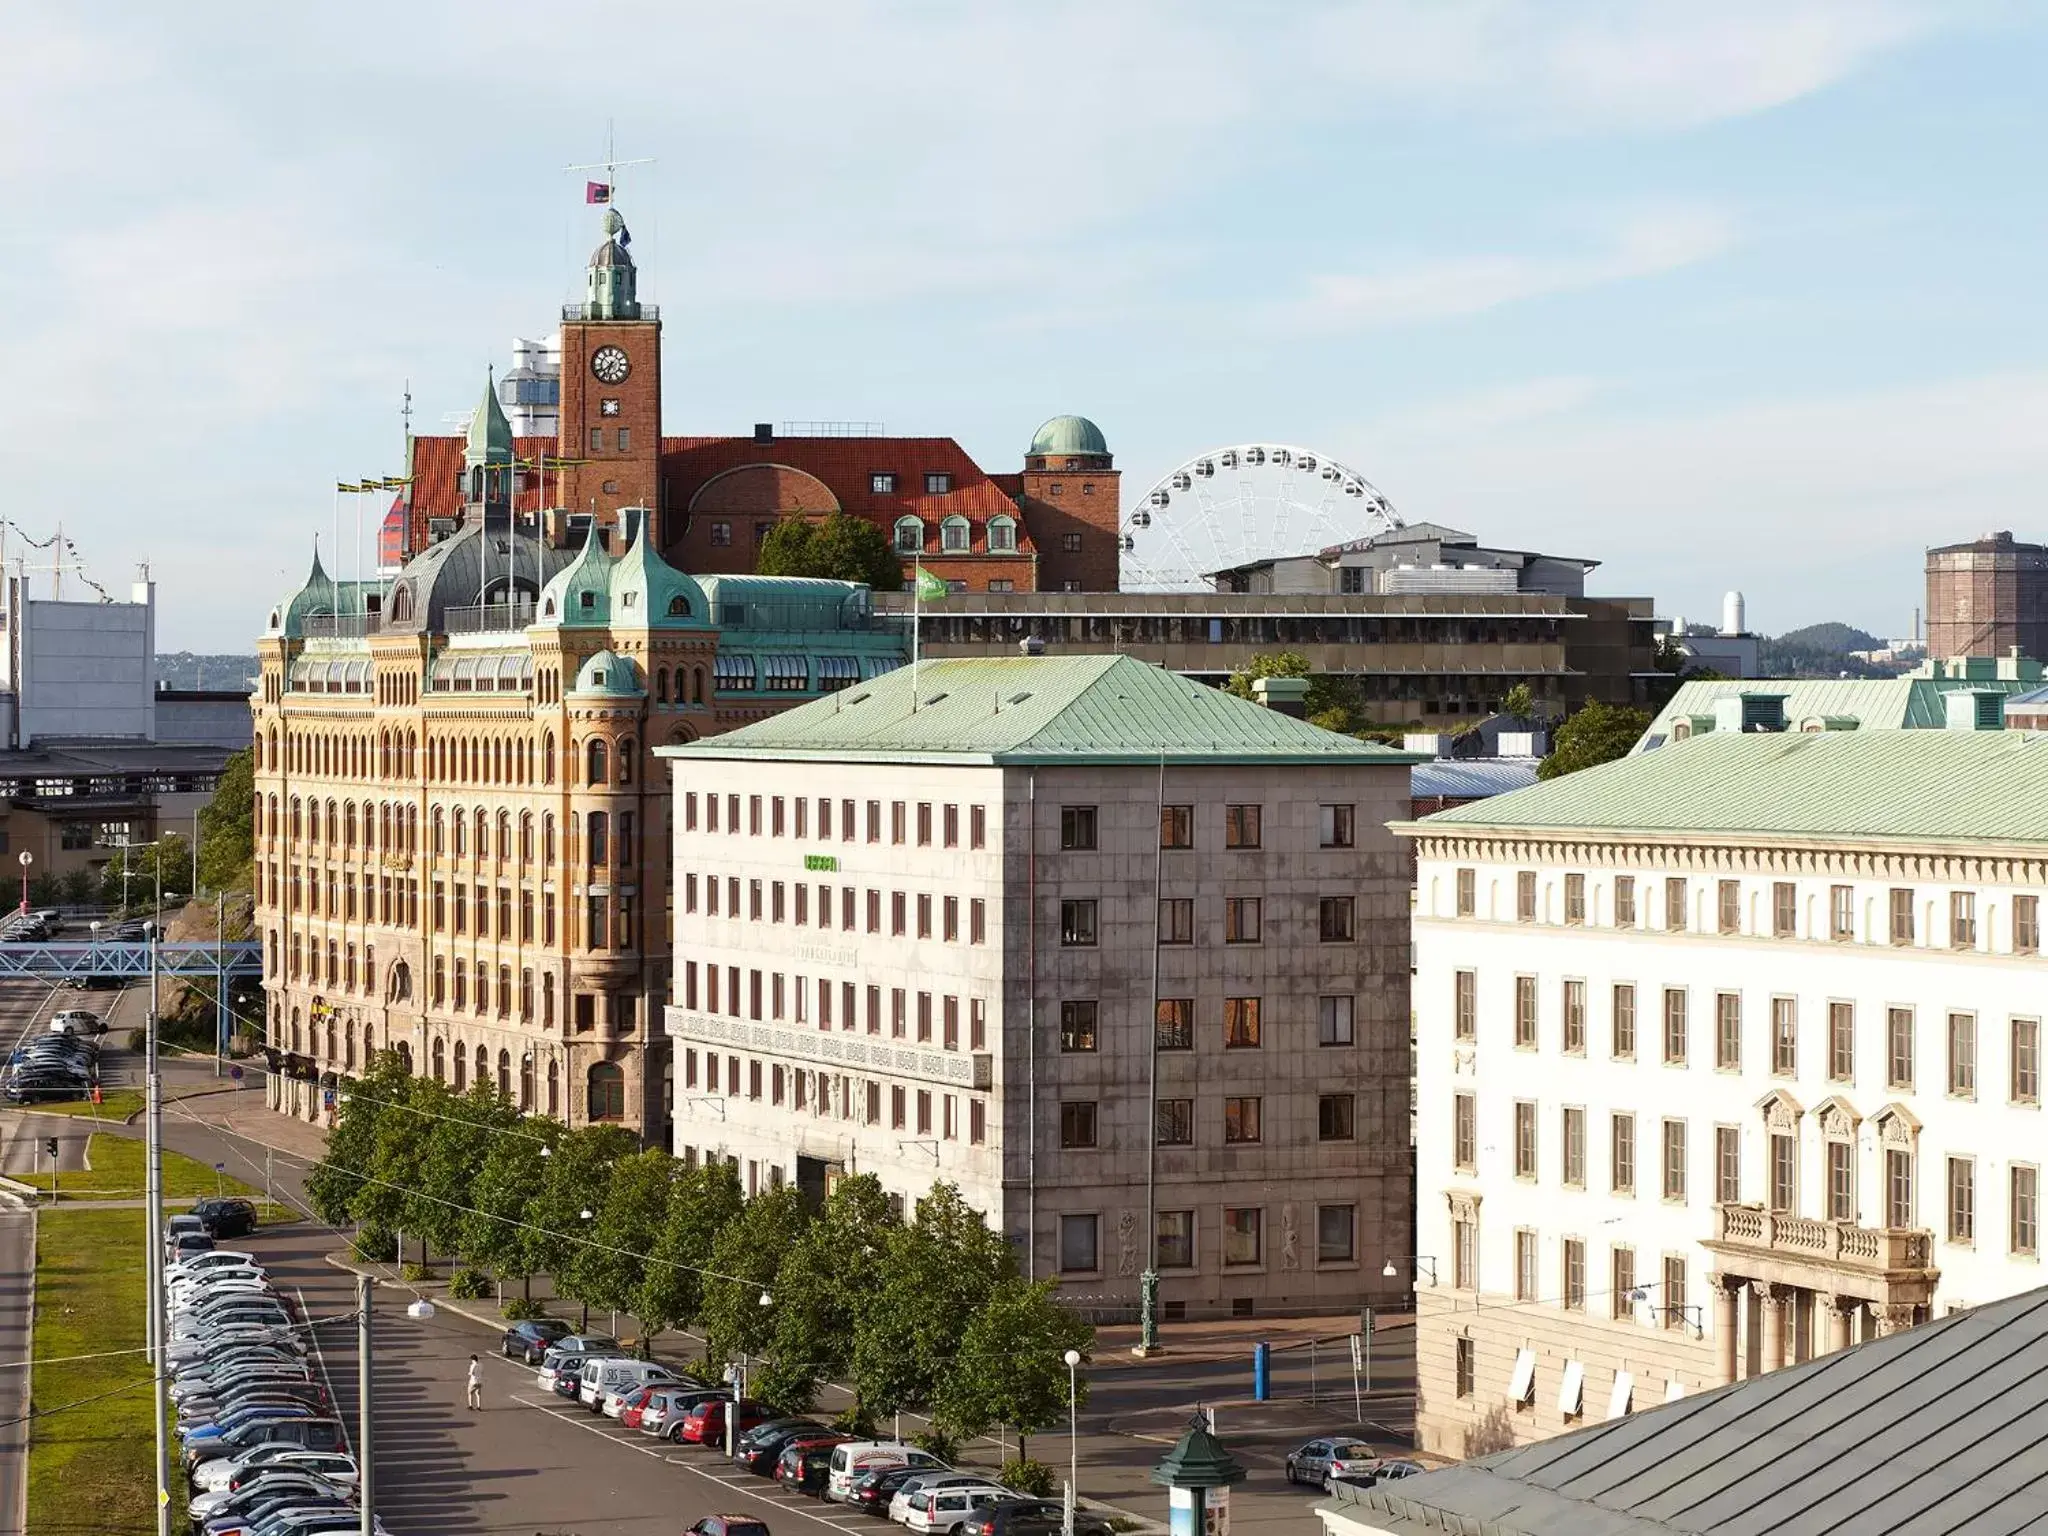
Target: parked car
199	1263
941	1509
729	1525
1031	1517
1380	1469
924	1481
872	1490
314	1434
226	1216
606	1377
663	1412
1315	1460
759	1449
858	1456
528	1342
704	1424
260	1484
804	1467
335	1466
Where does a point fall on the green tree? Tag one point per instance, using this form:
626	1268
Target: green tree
611	1270
337	1180
1334	702
578	1173
1520	702
937	1273
702	1201
227	841
392	1199
1598	733
835	548
745	1257
457	1146
1010	1367
823	1286
507	1184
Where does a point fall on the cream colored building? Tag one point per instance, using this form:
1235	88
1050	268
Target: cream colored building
1067	925
1729	1054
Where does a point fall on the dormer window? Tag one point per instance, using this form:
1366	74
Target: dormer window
1002	535
955	535
909	535
586	600
882	482
629	600
937	485
679	607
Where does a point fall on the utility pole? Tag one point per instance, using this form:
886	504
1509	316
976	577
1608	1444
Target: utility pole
366	1455
154	1227
220	978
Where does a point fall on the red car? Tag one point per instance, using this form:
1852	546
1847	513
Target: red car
704	1423
629	1415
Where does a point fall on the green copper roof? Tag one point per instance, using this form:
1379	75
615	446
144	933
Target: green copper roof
608	675
1039	710
581	592
1875	704
646	589
490	432
1918	786
1070	434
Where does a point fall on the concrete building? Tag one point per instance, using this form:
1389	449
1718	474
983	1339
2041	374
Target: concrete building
956	926
1729	1054
1988	597
1416	657
1417	558
78	670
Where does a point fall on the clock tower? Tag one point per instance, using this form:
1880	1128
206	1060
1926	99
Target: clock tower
611	387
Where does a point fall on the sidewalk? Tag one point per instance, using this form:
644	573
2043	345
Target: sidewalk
241	1112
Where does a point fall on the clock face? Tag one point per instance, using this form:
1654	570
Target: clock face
610	365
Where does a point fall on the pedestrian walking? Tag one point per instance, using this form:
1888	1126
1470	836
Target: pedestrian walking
476	1382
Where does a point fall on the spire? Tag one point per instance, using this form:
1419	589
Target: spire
490	430
611	285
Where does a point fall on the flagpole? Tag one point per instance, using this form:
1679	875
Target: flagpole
916	600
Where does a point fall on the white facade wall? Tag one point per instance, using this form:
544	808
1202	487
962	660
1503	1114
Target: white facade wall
83	669
1978	978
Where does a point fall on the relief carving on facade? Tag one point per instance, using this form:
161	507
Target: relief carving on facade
1127	1243
1290	1248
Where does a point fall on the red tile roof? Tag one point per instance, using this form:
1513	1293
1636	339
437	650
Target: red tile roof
437	489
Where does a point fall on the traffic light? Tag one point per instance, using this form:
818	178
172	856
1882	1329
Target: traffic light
50	1146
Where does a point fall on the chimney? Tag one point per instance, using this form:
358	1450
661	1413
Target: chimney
1285	695
764	433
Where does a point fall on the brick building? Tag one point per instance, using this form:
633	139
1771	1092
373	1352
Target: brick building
1986	597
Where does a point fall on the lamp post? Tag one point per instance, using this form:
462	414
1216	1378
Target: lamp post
1073	1359
27	859
588	1215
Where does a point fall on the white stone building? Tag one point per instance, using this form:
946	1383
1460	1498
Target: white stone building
1729	1054
921	944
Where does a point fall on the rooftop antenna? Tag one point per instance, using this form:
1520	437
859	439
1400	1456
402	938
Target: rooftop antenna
405	409
610	165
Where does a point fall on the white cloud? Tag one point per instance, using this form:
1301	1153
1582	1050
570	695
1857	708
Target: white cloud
1642	246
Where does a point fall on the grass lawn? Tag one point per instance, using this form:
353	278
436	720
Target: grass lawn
116	1106
90	1469
116	1174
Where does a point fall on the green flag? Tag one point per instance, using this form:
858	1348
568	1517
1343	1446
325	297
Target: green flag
928	585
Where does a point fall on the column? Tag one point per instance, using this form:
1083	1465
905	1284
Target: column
1892	1319
1841	1321
1752	1332
1727	1293
1777	1301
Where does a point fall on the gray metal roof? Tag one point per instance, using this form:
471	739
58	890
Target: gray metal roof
1938	1431
1470	778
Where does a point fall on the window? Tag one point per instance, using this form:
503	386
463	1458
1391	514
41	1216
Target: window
1902	916
1621	1282
1574	899
1077	1123
1784	1169
1962	1056
1240	1023
1621	1141
1574	1148
1841	1181
1674	905
1525	1013
1336	914
1078	1250
1175	1240
1002	538
2026	1211
1465	1133
1674	1160
1336	1117
1243	1236
1842	1042
1899	1048
1176	826
1785	1036
721	533
1173	1024
1240	1120
1962	1200
882	482
1334	1021
2026	925
1962	919
1784	909
1525	896
1574	1292
977	921
1673	1290
899	822
1464	1253
1336	1234
1525	1264
950	929
1624	901
1070	543
1077	1026
1077	827
1241	920
1176	1123
1898	1187
1574	1008
1334	825
977	826
1177	920
1674	1026
1525	1139
1729	905
1728	1031
1077	924
1465	1005
1241	826
2026	1061
937	484
1468	1366
1841	913
1468	892
1624	1021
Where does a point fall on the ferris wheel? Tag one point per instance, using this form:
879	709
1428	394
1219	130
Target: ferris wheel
1252	501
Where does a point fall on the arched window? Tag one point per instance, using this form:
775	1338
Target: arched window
547	838
461	822
696	685
440	1060
295	1034
401	982
348	1046
597	841
437	834
956	536
595	762
554	1087
460	996
909	535
526	1083
330	1039
526	837
483	834
547	760
439	994
461	1068
483	1065
405	1056
679	607
1002	535
661	685
627	750
607	1092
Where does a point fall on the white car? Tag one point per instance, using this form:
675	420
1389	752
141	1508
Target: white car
335	1466
940	1509
276	1480
212	1258
925	1482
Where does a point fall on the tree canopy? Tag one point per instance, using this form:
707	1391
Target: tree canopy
227	839
835	548
1334	702
1598	733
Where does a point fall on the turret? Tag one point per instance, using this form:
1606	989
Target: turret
610	283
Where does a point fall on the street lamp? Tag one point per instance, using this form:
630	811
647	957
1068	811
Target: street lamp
584	1327
27	859
1073	1359
1414	1261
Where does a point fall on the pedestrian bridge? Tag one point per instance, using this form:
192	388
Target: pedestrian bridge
76	962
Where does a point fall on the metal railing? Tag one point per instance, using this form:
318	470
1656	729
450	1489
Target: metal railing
484	618
597	312
343	626
55	962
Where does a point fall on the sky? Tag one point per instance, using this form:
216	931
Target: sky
1735	295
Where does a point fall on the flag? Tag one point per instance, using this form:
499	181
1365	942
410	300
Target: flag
596	192
342	487
928	585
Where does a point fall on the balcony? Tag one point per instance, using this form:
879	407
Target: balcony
1873	1263
836	1050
